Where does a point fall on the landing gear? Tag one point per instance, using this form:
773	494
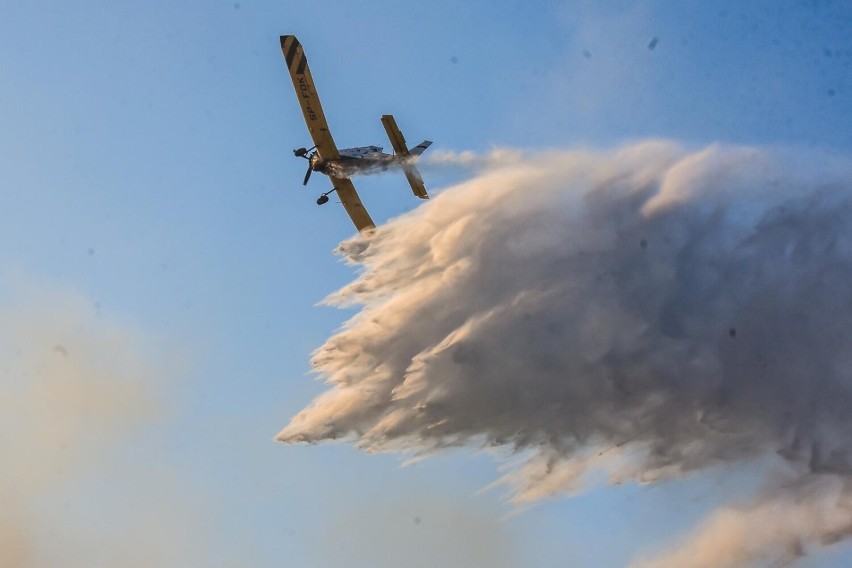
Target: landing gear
323	199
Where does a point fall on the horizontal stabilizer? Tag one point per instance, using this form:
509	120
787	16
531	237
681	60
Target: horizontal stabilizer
397	140
416	182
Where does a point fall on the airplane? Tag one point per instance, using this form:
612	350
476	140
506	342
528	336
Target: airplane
340	165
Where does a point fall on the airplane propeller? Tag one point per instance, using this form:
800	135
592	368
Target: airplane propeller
308	154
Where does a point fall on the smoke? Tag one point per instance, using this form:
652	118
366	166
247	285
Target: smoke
59	407
642	313
427	530
498	157
356	167
814	510
79	485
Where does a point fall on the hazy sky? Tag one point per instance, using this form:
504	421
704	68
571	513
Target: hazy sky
161	264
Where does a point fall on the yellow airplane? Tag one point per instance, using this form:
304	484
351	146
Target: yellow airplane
339	165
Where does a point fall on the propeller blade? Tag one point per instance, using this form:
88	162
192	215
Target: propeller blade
307	175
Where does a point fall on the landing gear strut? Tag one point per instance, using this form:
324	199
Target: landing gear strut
323	199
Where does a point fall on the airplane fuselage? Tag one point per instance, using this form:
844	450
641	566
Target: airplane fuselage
360	160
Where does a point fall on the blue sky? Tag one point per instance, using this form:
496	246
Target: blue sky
147	173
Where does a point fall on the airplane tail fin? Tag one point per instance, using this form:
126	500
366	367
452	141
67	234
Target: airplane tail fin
398	142
420	148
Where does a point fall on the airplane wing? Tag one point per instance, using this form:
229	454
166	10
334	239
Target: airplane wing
397	140
297	64
352	203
